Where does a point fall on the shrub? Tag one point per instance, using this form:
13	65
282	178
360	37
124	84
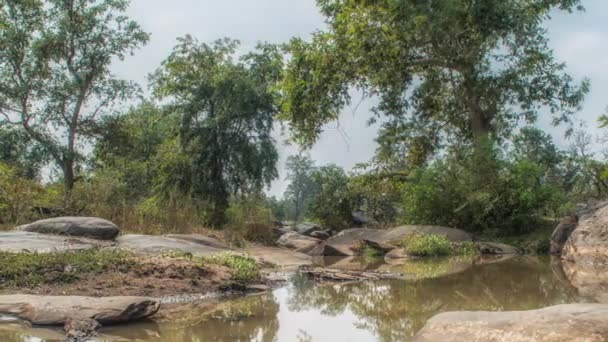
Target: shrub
18	196
244	269
427	245
249	219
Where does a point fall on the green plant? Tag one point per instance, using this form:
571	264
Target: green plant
32	269
244	269
427	245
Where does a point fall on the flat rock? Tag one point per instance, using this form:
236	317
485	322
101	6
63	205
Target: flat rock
19	242
279	256
495	248
297	242
197	245
346	242
57	310
572	322
89	227
307	228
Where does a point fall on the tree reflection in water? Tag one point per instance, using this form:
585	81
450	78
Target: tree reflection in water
391	310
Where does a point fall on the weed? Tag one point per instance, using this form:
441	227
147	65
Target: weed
244	269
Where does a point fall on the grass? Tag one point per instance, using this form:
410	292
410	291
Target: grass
244	269
430	245
31	269
534	242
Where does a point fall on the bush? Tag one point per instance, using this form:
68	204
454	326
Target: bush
331	205
250	219
32	269
244	269
481	195
427	245
18	196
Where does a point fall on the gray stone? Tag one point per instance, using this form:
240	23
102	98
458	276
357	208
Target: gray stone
90	227
196	245
17	242
495	248
297	242
281	257
307	228
561	234
572	322
57	310
321	235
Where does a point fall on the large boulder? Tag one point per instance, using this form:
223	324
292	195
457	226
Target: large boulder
347	242
591	281
197	245
298	242
57	310
307	228
90	227
588	243
561	234
573	322
26	242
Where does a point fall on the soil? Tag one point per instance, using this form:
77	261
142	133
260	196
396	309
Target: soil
150	277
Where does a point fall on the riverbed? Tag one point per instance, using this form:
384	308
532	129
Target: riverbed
384	310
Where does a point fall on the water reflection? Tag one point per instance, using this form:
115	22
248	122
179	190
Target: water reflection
369	311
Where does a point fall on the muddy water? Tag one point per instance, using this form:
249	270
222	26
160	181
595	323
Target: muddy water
367	311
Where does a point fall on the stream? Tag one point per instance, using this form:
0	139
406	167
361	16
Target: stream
386	310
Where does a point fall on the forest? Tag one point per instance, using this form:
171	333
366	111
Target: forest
459	88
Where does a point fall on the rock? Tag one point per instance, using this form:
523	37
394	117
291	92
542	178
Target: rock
307	228
279	256
197	245
57	310
258	288
89	227
18	242
297	242
321	235
346	242
495	248
397	253
561	234
360	219
80	329
588	243
572	322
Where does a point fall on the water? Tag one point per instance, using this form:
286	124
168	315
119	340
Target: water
391	310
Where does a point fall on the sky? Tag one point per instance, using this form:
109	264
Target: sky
580	40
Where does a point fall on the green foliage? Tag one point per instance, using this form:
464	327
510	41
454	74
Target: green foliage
301	188
19	151
376	193
226	110
244	269
331	204
427	245
442	70
55	78
18	196
31	269
477	193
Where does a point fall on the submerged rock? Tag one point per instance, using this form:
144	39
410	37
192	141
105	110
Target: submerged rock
495	248
572	322
197	245
297	241
57	310
89	227
346	243
26	242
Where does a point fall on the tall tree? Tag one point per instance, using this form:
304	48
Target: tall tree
301	187
226	110
456	69
55	79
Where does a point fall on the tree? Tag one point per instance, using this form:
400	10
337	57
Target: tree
301	187
458	70
226	110
18	151
331	203
55	80
536	146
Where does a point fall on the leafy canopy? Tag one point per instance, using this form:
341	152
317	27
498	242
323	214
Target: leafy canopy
226	107
442	70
